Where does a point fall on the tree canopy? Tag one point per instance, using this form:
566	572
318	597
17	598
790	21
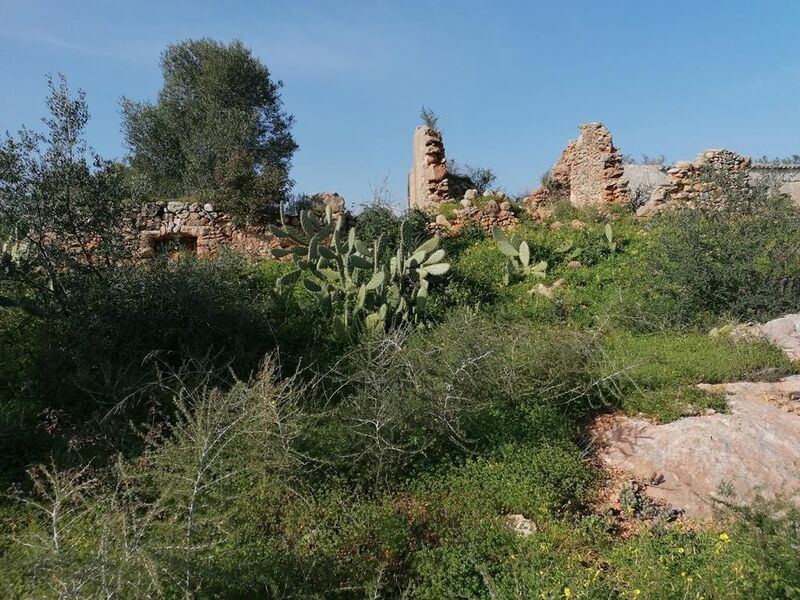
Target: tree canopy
217	129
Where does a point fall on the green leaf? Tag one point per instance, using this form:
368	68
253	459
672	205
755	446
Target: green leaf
340	327
351	240
609	233
506	248
311	285
435	257
362	248
361	298
330	275
524	254
278	232
375	320
428	246
499	235
359	262
540	267
326	252
281	252
377	280
415	259
308	222
438	268
288	279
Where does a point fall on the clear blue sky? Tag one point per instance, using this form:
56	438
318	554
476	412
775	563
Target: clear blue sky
511	80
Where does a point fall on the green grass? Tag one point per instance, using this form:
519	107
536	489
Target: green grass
661	368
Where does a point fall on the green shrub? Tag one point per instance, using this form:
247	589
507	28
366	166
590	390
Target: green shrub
739	260
752	555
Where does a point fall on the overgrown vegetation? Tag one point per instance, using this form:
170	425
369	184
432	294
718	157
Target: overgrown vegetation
234	428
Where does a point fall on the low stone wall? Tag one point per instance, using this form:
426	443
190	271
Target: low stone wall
194	227
689	182
203	230
494	211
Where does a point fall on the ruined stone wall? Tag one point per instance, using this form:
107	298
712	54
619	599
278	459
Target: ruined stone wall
195	227
487	212
427	181
588	173
200	229
689	181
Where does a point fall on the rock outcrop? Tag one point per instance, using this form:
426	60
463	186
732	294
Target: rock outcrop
427	180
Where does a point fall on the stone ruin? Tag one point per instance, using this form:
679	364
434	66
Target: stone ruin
200	229
192	227
427	180
686	185
430	190
588	173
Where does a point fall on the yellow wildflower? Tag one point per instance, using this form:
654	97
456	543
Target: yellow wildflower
567	593
724	537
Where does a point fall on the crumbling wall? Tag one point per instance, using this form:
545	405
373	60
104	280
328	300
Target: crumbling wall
427	180
588	173
203	230
691	182
487	212
194	227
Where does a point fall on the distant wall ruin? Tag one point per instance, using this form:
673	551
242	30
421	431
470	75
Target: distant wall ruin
688	185
192	227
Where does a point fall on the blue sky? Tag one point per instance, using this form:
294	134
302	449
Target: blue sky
511	80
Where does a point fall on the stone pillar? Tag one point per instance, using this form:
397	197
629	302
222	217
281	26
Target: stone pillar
596	169
427	180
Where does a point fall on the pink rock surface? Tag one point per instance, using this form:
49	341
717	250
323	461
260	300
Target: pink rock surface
755	448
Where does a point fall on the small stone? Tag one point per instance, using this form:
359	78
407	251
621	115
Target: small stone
506	206
520	524
442	221
574	264
208	207
466	203
470	194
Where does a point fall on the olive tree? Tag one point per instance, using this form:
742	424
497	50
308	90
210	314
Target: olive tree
60	207
217	129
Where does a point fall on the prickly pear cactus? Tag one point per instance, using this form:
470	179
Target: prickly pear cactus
351	283
518	257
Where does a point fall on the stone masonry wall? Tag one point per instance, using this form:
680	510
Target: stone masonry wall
427	181
588	173
195	227
686	183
